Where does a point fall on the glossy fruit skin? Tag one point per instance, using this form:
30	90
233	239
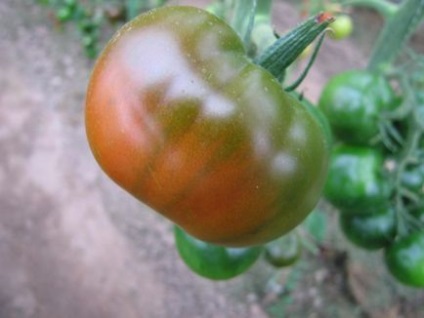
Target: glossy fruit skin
214	261
321	119
413	179
418	214
342	27
179	117
284	251
405	259
355	181
353	102
370	231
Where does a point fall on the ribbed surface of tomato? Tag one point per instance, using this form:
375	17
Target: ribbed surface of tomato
179	117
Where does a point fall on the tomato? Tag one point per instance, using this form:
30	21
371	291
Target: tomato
342	27
353	102
370	231
213	261
177	115
418	214
413	178
284	251
355	180
321	119
405	259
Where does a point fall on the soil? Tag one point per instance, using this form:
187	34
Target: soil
73	244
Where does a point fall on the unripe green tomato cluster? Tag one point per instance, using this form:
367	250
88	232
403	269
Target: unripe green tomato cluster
358	183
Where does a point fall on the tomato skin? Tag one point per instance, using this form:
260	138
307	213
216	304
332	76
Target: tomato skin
179	117
321	119
213	261
370	231
342	27
405	259
418	214
353	102
355	181
284	251
413	179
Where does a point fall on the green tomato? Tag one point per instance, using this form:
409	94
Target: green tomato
355	180
320	118
418	214
342	27
405	259
213	261
413	178
370	231
180	117
64	14
284	251
353	102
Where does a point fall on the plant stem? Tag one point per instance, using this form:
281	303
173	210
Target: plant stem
396	32
263	33
286	49
243	19
384	7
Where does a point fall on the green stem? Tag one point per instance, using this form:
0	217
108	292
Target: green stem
395	34
243	19
264	8
311	61
286	49
411	145
384	7
263	34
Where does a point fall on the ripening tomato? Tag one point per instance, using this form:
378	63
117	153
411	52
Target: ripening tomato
178	116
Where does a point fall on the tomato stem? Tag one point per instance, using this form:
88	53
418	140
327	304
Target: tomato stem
263	34
396	33
384	7
243	19
286	49
409	113
311	61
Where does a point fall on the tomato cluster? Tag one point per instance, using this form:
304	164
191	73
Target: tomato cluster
360	182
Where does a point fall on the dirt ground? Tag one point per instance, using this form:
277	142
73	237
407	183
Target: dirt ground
73	244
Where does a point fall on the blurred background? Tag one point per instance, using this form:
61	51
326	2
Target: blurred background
73	244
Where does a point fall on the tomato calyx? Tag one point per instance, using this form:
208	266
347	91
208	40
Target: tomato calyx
290	46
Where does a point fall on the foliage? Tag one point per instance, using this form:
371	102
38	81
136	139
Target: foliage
88	16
